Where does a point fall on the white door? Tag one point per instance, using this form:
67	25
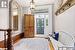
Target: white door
41	24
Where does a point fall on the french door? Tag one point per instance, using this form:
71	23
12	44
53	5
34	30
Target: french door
40	25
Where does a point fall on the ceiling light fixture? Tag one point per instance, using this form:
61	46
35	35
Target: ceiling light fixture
32	5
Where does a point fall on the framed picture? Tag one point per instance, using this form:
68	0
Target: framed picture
15	22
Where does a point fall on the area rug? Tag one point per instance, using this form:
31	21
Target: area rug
32	44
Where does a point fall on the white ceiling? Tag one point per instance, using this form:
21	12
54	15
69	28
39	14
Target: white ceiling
25	3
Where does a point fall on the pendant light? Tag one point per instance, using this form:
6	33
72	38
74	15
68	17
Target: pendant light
32	5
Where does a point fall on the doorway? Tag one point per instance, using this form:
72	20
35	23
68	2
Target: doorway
28	26
40	25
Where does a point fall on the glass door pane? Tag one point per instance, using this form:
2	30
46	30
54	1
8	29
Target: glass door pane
40	25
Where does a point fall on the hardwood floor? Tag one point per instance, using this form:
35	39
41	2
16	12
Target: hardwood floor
15	39
51	46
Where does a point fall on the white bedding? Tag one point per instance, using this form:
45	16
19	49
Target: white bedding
32	44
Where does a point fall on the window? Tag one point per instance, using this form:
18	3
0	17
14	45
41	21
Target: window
3	3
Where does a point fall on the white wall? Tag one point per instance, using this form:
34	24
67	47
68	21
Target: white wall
4	20
66	22
26	10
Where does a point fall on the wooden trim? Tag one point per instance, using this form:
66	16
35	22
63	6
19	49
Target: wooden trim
18	37
65	6
3	29
15	39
